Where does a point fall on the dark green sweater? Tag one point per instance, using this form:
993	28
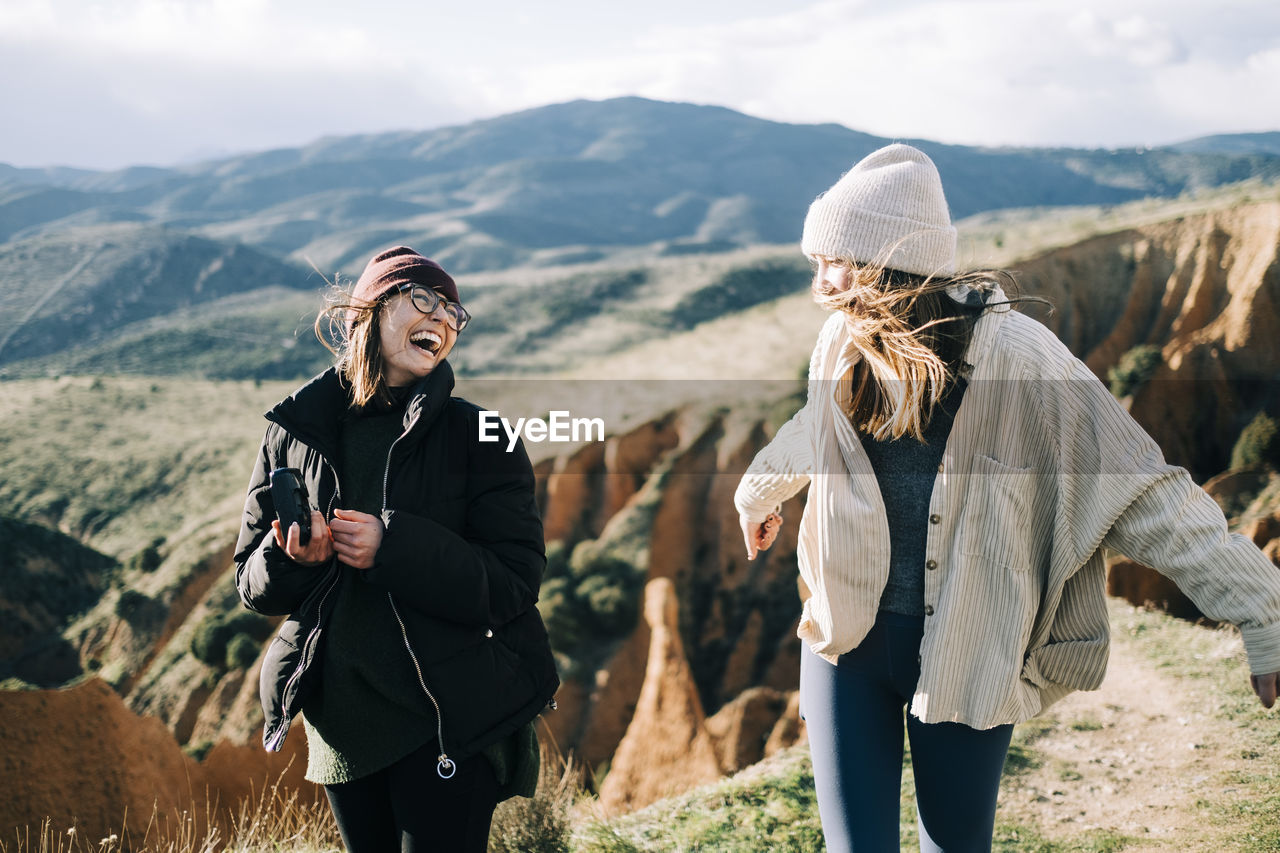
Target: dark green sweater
370	710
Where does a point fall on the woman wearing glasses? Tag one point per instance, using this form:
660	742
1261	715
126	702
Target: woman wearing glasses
412	644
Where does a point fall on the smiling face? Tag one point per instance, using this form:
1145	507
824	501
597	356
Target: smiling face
412	343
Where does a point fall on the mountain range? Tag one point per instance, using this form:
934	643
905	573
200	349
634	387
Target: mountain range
210	269
557	183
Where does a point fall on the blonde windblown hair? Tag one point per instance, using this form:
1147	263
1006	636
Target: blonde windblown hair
912	337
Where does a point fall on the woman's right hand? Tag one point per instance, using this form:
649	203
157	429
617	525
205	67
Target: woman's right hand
319	548
759	535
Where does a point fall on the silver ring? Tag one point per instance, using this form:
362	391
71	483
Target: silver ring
446	764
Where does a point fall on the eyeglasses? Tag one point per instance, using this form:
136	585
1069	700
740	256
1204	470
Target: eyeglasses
427	300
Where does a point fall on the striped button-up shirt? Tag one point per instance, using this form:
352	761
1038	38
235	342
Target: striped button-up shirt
1042	469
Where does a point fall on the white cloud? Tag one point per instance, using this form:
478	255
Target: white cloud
223	33
1265	63
119	83
1134	38
1218	98
165	77
975	71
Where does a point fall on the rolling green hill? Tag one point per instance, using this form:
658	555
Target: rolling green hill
80	300
579	231
544	185
1233	143
134	299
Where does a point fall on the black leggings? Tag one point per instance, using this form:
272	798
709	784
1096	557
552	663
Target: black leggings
408	807
854	712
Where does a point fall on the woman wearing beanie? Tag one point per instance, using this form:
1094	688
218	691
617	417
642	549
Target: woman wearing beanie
965	472
412	643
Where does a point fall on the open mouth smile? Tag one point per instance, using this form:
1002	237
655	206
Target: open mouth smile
427	341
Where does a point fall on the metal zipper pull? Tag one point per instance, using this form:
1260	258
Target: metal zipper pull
443	762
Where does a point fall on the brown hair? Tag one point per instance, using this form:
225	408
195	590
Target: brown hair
912	336
351	330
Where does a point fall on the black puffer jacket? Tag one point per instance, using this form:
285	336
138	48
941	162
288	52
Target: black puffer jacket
461	560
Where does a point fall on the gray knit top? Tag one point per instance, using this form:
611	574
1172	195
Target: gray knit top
905	470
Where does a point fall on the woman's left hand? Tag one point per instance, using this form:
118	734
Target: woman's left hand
1265	686
356	537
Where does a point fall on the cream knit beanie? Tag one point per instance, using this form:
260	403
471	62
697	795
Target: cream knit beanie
888	209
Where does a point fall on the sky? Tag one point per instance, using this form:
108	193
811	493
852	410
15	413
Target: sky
113	83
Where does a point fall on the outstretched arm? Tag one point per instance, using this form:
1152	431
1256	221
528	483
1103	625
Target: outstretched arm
1176	528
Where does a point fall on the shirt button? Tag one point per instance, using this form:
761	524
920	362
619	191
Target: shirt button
488	632
931	564
928	610
939	467
935	519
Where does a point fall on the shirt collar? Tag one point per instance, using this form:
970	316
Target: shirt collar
987	329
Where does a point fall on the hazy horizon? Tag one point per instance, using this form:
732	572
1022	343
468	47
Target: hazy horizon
212	155
114	83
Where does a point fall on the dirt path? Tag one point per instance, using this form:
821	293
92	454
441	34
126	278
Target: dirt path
1133	757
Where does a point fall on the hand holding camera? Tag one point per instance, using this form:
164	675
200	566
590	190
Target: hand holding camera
299	530
318	549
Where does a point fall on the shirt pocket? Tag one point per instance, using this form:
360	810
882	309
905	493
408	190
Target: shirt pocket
997	524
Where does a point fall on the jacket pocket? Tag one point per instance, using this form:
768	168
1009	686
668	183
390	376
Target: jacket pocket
479	687
998	523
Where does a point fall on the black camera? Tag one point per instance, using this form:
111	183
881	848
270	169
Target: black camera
289	494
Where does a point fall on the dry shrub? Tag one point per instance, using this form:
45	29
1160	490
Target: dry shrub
539	824
279	819
181	832
272	821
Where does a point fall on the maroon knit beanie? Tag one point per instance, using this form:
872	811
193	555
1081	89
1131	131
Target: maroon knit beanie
398	266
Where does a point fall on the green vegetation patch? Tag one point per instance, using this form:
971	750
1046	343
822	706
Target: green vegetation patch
588	600
149	558
774	807
1015	838
229	640
741	288
1258	444
121	461
1133	370
140	610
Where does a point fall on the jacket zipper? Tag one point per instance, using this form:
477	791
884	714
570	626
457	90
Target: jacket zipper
445	766
308	651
